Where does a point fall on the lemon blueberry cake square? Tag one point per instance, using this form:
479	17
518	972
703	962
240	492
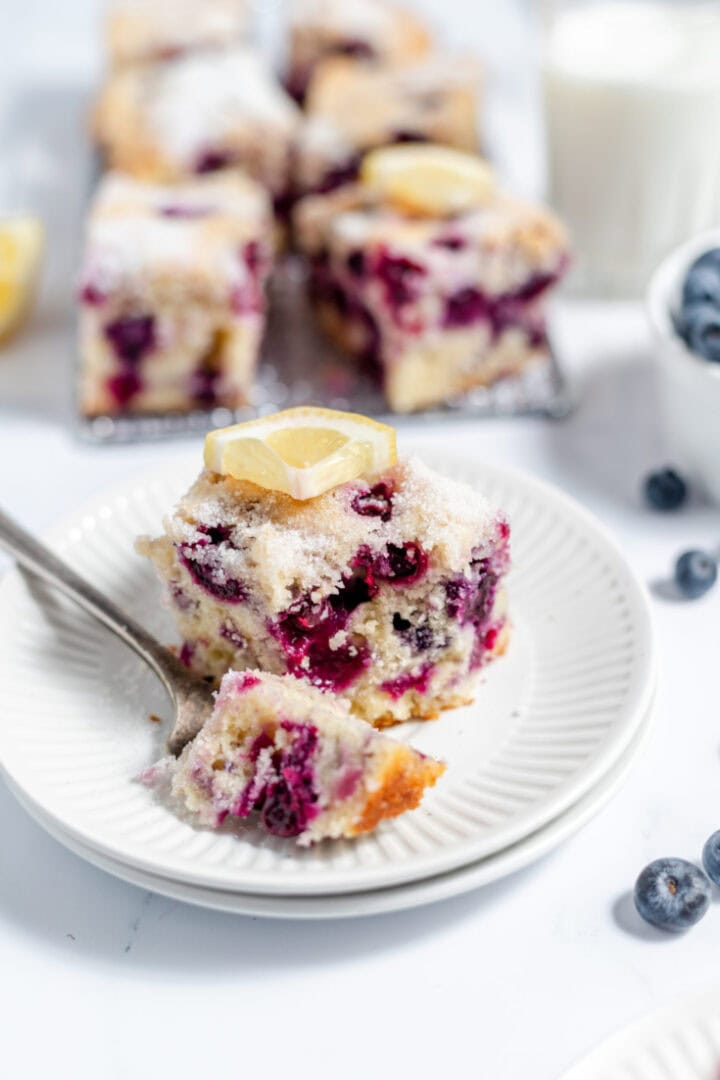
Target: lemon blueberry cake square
354	108
431	274
203	112
172	295
386	588
296	762
368	31
138	31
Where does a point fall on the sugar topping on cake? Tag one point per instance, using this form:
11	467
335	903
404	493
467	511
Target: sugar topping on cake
183	203
362	103
310	544
163	29
140	231
505	220
368	19
198	101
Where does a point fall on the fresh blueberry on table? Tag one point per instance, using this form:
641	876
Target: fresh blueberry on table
672	894
711	858
665	490
695	573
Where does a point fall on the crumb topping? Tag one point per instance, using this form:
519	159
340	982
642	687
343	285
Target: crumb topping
310	545
505	224
139	232
198	101
367	19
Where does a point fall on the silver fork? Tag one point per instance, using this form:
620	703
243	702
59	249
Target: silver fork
191	698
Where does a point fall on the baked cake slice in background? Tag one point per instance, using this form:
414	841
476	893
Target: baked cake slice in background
387	590
368	31
198	114
352	108
138	31
172	294
440	297
295	761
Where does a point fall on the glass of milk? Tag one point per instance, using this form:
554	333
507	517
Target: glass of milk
632	97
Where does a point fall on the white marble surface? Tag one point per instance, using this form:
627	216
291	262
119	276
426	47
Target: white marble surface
101	980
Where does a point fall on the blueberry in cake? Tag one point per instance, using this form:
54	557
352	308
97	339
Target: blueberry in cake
367	31
431	274
172	294
198	114
353	108
385	586
295	761
138	31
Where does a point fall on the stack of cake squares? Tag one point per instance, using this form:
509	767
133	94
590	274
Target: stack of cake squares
211	159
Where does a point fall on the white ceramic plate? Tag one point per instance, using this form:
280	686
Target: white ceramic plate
678	1043
550	719
380	901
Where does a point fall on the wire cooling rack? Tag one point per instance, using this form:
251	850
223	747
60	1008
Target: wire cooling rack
299	367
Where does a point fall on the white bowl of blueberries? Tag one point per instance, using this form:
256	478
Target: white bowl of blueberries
684	309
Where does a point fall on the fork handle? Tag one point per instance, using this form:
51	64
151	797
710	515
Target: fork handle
40	561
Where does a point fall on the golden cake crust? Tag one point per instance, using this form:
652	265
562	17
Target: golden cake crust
401	788
360	777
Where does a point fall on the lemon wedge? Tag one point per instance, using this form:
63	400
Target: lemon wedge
302	452
428	180
21	241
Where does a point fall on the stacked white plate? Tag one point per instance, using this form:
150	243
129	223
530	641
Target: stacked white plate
681	1042
553	730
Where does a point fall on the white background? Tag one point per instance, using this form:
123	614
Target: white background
101	980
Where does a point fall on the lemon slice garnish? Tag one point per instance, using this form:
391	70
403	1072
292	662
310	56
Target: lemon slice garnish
428	180
302	452
21	241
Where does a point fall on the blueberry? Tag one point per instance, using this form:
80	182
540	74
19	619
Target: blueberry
212	160
132	336
695	573
672	894
401	278
665	489
207	572
699	325
123	387
420	638
356	263
282	811
376	502
465	307
359	50
702	285
405	564
711	858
